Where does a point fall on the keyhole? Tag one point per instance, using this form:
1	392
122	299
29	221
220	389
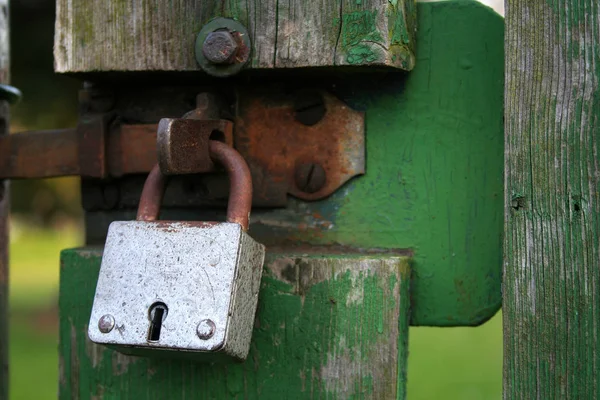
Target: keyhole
156	314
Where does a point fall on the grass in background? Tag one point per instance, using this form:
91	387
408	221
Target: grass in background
444	363
456	363
34	266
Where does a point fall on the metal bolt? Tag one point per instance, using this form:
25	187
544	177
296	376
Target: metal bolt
206	329
310	177
106	323
220	47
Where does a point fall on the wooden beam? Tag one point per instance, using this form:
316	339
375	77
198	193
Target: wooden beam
150	35
4	207
552	201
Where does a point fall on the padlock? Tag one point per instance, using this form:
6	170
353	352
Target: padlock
181	288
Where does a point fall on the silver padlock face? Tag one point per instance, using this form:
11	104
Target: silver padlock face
180	286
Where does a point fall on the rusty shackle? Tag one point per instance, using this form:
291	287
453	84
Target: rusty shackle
240	187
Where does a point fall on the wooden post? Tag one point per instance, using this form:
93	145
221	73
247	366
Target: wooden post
552	220
326	327
4	197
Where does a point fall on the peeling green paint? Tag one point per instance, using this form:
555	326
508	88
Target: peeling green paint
363	42
326	328
359	26
361	54
399	32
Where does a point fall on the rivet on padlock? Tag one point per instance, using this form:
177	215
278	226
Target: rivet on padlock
173	287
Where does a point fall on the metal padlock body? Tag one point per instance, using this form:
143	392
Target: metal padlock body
204	275
201	271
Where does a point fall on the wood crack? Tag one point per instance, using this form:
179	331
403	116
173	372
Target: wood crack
339	35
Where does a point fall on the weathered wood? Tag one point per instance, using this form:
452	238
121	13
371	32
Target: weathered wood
139	35
552	220
326	327
4	207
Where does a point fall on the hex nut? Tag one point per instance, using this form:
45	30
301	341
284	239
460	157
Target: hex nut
220	47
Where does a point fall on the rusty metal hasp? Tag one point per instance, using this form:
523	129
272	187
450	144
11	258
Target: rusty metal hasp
306	144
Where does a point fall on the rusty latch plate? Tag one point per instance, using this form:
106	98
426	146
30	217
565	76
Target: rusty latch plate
287	156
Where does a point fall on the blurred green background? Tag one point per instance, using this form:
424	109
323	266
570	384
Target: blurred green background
456	363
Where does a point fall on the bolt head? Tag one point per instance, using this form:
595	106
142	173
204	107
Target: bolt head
205	329
106	323
220	47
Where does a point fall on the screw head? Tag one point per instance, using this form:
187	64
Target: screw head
310	177
106	323
205	329
219	47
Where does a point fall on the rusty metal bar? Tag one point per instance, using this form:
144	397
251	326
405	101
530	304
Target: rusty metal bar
132	150
53	153
40	154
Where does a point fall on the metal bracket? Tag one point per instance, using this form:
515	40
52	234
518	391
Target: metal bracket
307	144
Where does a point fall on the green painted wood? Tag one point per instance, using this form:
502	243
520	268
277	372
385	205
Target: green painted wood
434	167
149	35
552	249
331	327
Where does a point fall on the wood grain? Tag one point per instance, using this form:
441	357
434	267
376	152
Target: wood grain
147	35
552	226
4	207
